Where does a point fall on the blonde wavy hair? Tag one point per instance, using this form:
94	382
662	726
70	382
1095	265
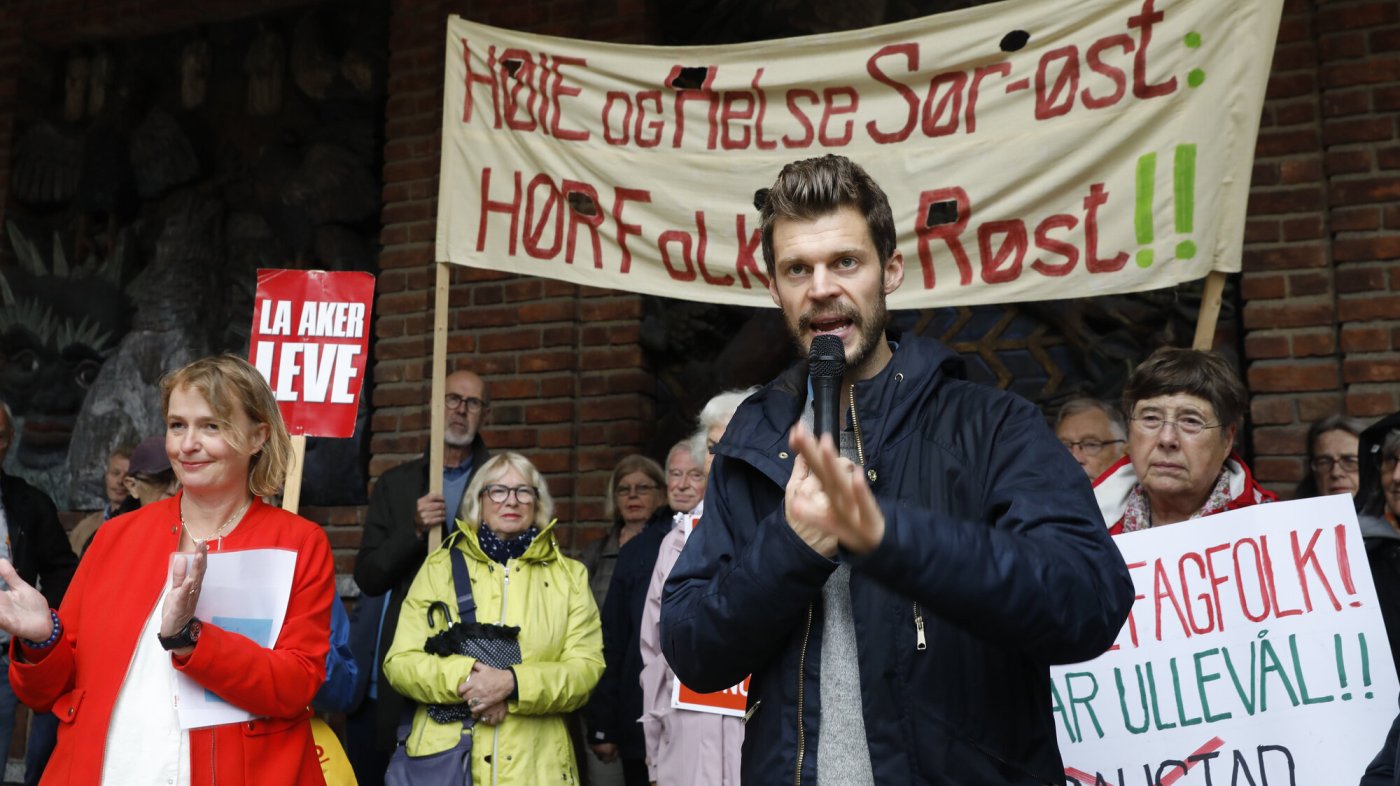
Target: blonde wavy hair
230	384
492	471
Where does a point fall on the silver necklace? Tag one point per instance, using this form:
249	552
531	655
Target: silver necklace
218	534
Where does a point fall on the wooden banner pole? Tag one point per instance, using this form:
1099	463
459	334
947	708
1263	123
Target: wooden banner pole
439	415
1210	311
291	490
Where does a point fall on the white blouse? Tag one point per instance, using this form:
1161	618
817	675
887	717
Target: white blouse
145	744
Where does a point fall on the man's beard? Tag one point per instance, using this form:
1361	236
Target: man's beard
455	440
870	332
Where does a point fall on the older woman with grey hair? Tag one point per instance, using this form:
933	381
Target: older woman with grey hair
1334	463
515	713
686	747
1184	409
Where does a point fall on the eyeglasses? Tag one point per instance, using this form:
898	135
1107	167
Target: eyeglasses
676	475
453	401
498	494
1324	464
639	489
1190	425
1090	447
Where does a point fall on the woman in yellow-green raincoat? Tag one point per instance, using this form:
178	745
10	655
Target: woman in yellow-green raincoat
519	577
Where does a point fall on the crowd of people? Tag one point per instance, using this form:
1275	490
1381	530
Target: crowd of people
879	587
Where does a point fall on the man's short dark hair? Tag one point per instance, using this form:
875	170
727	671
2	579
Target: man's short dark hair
815	187
1195	372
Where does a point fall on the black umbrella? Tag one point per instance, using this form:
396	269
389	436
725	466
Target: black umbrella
497	646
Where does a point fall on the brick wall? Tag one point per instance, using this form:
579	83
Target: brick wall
563	361
1322	280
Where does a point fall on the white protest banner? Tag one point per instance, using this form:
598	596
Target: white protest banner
1255	653
1031	150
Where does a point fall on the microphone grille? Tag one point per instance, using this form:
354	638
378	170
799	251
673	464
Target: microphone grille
828	357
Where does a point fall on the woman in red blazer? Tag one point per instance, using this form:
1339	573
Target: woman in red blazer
106	660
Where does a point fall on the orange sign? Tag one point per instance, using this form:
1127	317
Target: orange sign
731	701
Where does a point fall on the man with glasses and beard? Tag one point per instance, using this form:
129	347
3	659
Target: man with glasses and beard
899	594
392	548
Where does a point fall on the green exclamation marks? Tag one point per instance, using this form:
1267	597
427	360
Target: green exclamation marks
1142	213
1184	194
1341	665
1184	183
1365	665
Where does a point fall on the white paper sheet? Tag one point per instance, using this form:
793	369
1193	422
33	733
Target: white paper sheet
245	592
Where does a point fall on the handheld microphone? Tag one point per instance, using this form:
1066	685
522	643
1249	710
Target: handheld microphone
827	364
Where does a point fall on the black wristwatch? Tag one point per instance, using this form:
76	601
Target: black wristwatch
185	637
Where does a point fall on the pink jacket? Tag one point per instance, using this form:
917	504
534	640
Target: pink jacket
684	747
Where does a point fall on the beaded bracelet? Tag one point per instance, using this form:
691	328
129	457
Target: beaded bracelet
51	640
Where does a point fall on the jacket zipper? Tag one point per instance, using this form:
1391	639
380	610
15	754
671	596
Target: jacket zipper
855	427
801	675
496	730
920	643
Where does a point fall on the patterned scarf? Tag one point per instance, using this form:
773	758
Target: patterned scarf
502	551
1138	516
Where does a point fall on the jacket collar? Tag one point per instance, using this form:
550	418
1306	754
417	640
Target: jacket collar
758	433
544	547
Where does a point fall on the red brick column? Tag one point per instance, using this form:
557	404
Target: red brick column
1321	282
564	362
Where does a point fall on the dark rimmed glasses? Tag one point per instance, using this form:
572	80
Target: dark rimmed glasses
1322	465
1090	447
1190	425
498	493
453	401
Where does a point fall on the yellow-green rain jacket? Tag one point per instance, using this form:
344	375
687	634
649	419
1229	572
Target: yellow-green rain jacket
561	645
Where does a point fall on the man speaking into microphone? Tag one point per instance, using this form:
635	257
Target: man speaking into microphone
898	589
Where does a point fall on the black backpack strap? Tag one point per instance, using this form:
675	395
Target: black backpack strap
462	583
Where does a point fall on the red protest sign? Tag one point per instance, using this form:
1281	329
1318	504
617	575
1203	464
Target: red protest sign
310	340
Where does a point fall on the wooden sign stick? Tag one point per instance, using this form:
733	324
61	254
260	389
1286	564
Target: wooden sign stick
1210	311
291	489
439	415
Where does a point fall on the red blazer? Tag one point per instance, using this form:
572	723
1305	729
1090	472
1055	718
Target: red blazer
119	581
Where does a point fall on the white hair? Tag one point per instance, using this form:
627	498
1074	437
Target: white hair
717	412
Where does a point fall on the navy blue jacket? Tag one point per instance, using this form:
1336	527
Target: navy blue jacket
1385	769
615	709
992	540
344	686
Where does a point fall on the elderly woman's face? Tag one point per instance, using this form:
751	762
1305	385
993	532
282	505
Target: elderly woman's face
637	497
1177	469
204	461
1335	463
508	505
